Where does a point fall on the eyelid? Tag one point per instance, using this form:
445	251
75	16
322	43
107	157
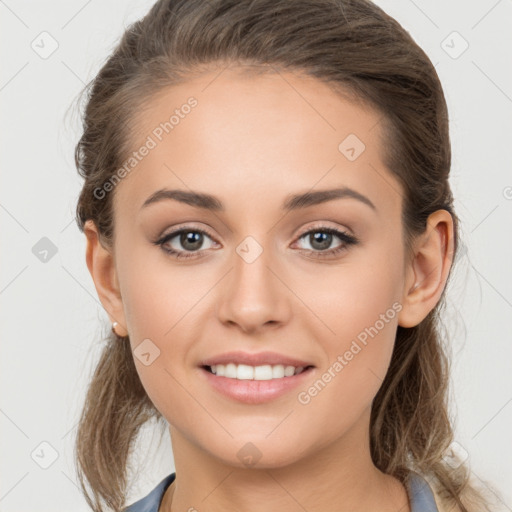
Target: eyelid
186	226
323	225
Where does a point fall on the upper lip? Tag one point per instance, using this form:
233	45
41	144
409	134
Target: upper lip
254	359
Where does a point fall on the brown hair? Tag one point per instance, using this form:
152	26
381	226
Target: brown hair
359	50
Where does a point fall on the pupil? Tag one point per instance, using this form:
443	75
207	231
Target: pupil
322	239
193	238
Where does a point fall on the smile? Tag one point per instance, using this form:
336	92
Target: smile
254	384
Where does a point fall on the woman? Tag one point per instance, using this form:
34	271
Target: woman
270	229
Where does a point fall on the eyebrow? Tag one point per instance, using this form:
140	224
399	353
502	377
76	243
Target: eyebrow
292	202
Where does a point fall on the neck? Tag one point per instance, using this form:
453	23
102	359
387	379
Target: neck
339	477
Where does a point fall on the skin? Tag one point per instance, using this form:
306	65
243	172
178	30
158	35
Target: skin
252	141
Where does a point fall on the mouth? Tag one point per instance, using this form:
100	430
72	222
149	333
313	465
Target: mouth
255	385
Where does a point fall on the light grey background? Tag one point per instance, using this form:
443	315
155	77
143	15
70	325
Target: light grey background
51	317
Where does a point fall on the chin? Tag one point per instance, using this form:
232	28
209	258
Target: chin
259	454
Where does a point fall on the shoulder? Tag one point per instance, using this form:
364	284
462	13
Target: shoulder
151	502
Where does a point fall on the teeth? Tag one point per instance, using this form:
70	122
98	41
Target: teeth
246	372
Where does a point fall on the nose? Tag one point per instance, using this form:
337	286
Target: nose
254	296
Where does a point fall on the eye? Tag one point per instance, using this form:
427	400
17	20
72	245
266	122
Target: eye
191	240
321	238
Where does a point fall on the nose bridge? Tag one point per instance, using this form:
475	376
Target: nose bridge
253	296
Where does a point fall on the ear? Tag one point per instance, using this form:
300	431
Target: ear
101	265
428	270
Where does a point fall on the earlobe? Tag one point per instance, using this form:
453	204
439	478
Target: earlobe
100	263
428	270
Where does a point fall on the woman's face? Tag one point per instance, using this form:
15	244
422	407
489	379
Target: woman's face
266	275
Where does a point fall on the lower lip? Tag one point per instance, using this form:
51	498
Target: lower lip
255	391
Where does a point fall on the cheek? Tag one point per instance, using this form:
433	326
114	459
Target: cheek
357	360
360	309
353	299
157	295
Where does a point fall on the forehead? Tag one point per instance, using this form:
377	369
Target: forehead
255	135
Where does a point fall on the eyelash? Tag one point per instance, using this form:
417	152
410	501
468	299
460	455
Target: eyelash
342	235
